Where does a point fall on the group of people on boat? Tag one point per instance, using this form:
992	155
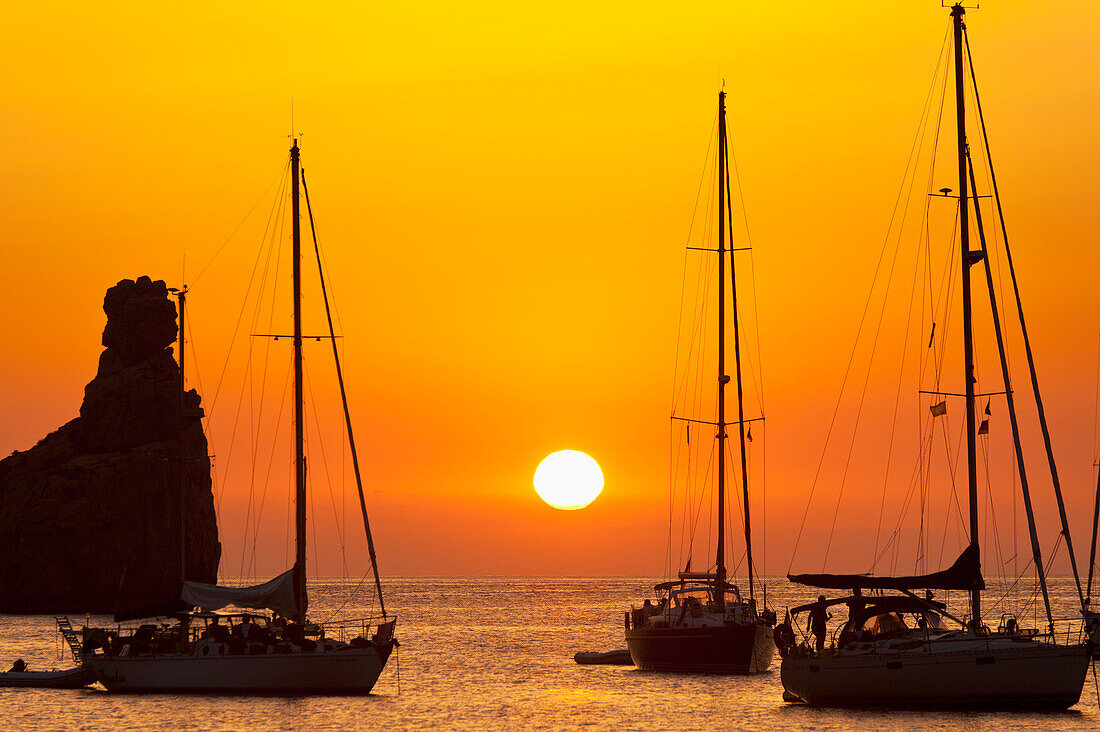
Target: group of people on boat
868	620
243	633
690	607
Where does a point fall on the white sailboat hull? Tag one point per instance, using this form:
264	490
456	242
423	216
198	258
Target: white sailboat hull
998	675
345	671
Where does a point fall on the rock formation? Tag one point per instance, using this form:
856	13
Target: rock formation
90	517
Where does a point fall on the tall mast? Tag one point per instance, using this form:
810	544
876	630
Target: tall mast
968	259
299	401
720	569
740	391
182	295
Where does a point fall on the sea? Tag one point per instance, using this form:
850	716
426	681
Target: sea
496	653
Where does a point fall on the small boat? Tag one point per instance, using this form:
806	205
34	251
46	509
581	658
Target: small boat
620	657
71	678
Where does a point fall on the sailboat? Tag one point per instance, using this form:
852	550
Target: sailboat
274	650
700	622
906	649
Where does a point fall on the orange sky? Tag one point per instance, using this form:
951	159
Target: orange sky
503	192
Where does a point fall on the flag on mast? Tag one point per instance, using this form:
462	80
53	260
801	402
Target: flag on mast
938	410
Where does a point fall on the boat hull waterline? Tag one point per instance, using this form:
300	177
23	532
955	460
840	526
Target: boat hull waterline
347	671
1036	676
738	648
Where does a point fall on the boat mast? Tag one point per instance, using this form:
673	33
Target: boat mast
299	401
740	391
182	295
720	568
968	259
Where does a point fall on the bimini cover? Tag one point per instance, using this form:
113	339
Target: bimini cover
964	574
276	594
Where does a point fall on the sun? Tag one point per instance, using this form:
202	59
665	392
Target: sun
568	480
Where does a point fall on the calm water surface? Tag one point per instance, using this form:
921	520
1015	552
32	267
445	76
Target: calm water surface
496	653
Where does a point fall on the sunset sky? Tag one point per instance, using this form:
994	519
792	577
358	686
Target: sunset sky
503	192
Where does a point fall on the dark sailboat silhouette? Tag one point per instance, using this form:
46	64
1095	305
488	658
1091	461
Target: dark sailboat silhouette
701	623
877	658
280	652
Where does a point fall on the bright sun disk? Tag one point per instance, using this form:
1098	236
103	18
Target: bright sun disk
568	480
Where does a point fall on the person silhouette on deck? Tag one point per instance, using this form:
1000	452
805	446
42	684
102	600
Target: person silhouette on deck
819	616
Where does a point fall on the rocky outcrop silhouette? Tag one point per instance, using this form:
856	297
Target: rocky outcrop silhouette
90	517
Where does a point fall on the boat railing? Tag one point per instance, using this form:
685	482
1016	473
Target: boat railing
344	629
1065	631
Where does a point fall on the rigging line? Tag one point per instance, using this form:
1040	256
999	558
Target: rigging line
947	288
266	362
1023	331
703	497
690	483
205	418
290	498
697	485
673	450
909	314
691	226
267	244
990	514
748	240
248	289
343	399
895	535
270	462
862	398
328	474
897	399
1096	400
703	176
313	527
696	339
1096	503
347	598
701	310
1049	564
679	331
1011	405
927	208
859	330
1004	597
254	422
936	355
236	228
697	392
954	466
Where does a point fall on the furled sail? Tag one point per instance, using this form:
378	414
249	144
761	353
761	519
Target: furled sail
276	594
964	574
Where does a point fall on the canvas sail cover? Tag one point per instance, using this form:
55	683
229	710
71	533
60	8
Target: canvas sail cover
964	574
276	594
